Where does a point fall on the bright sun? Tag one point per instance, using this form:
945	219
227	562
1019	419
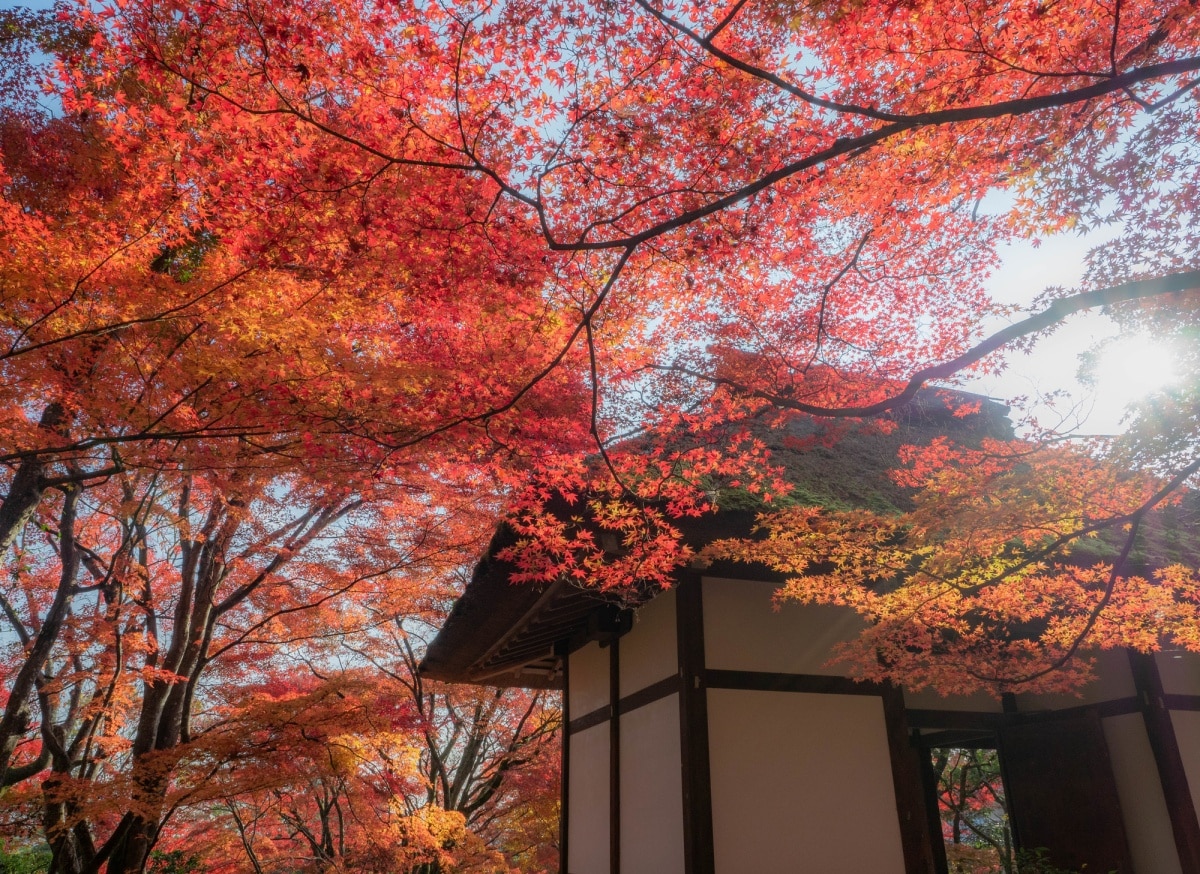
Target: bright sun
1131	367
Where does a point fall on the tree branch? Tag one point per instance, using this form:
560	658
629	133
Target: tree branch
1052	315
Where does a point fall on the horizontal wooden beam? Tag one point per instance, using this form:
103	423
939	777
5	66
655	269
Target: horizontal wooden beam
655	691
1181	702
768	681
993	720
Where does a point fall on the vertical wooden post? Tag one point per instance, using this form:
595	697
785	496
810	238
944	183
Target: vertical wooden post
614	757
565	770
1161	732
929	789
698	856
907	778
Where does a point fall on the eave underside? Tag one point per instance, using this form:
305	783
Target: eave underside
505	634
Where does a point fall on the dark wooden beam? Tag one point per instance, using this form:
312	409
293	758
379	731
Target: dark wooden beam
660	689
565	771
654	692
1164	743
614	758
589	720
915	837
955	719
769	681
698	856
929	789
963	738
984	721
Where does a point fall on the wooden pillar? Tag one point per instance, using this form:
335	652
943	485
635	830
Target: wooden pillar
929	789
908	780
565	765
698	856
614	757
1161	732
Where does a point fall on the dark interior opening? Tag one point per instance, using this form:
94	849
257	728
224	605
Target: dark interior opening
1034	795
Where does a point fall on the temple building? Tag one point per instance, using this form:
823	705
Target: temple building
707	732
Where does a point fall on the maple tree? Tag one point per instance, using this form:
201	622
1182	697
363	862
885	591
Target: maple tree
194	587
278	275
814	244
203	475
489	754
314	776
994	561
397	775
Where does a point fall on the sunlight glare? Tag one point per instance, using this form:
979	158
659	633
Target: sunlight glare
1129	368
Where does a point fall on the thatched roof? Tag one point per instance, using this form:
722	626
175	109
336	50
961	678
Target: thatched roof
503	634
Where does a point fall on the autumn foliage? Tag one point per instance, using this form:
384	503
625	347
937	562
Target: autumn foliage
297	299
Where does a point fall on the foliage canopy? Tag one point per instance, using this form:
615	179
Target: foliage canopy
296	297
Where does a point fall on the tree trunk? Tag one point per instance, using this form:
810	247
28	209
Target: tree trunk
14	722
132	851
27	488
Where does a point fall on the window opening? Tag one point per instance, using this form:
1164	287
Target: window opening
973	810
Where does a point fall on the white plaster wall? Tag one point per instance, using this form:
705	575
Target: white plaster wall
1180	672
1114	680
1187	732
649	652
588	680
587	801
743	632
1143	807
651	789
801	782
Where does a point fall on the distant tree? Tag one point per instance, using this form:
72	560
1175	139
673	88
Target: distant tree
974	811
490	754
24	861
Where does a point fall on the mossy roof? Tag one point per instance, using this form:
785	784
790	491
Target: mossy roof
498	633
